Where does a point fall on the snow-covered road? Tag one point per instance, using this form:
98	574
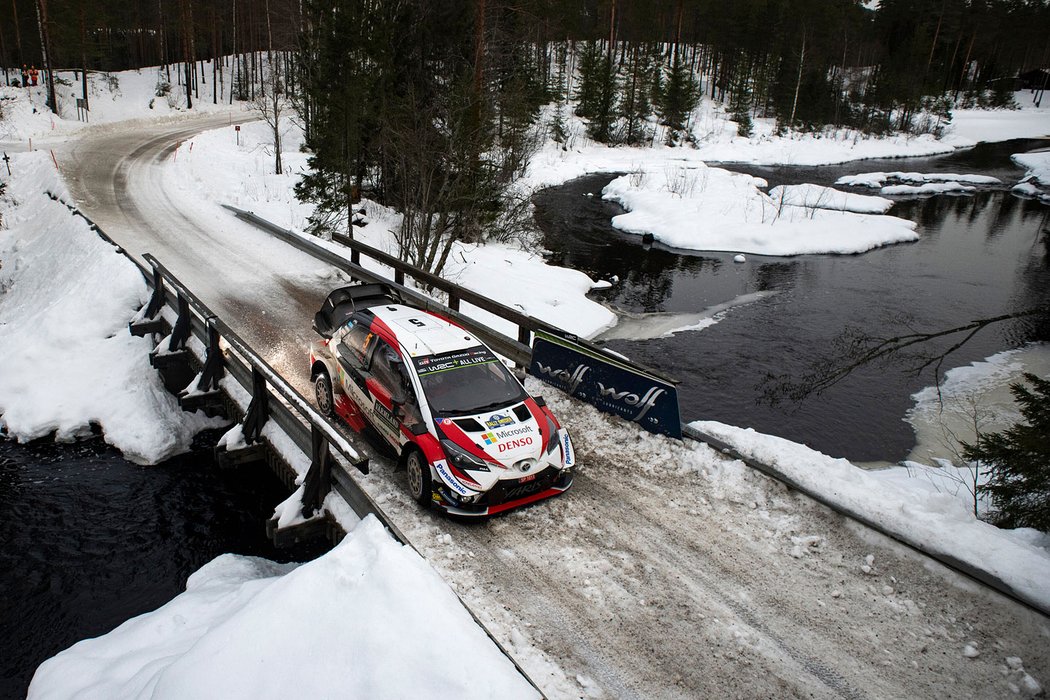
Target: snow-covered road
259	286
668	571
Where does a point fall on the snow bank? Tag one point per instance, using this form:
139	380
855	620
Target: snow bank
819	197
953	181
368	620
937	521
971	126
68	358
1038	165
704	208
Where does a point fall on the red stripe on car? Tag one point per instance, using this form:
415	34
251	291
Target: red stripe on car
541	421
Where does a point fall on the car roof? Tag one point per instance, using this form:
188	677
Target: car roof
422	333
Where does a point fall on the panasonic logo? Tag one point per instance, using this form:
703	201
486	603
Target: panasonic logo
448	478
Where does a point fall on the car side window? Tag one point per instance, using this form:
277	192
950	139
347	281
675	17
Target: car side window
356	343
388	369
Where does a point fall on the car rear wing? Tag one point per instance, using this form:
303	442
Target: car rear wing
342	303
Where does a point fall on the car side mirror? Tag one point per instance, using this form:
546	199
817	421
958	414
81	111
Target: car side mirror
520	373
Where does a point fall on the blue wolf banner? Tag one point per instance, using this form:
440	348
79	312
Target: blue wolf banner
612	386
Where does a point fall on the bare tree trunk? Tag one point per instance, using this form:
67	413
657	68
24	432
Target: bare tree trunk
933	45
233	68
966	64
18	34
214	58
45	45
798	83
3	52
83	57
163	43
187	52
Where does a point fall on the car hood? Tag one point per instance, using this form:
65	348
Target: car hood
501	436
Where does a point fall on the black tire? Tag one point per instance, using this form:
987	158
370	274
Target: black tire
417	475
323	394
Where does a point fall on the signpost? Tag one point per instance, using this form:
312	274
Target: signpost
612	386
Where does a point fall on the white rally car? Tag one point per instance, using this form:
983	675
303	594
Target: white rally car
472	441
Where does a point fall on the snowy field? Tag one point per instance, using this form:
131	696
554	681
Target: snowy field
242	623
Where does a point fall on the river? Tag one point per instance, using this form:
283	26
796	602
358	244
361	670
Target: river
978	256
91	540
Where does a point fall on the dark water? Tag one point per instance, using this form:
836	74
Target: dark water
978	256
90	540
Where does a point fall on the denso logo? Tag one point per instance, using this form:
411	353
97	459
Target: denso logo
514	444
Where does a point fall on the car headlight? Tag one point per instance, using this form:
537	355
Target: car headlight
555	436
463	459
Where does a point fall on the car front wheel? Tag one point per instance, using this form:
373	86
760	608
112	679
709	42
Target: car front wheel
417	470
323	394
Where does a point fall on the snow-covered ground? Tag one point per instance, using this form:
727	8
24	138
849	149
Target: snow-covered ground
112	97
215	627
705	208
68	358
369	620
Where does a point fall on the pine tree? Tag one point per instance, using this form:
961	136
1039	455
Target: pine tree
635	106
680	94
740	102
1019	459
596	95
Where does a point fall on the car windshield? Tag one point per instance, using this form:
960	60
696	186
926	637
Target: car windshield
465	382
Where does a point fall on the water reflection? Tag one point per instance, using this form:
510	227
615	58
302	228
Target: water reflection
978	256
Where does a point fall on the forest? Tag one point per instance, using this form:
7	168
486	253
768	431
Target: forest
434	107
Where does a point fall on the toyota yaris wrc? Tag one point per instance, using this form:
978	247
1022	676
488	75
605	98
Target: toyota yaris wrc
472	441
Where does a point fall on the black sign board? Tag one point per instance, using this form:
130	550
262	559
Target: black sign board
612	386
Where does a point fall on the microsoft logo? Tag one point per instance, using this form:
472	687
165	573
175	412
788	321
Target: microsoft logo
489	438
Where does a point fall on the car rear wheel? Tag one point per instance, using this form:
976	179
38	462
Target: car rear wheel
323	394
420	487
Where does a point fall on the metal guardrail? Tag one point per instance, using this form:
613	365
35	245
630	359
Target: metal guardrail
518	350
311	432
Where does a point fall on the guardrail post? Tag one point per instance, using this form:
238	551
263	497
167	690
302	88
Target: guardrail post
453	302
156	301
258	410
147	322
214	367
181	332
355	256
399	277
318	480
